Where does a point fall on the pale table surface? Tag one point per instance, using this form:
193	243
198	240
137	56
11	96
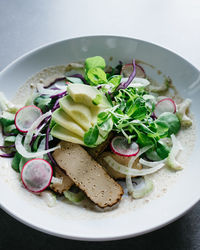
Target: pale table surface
174	24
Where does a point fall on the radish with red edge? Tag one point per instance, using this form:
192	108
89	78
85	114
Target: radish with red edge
120	146
26	116
164	105
36	175
127	69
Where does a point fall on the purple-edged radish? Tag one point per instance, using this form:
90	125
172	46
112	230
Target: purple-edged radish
164	105
127	69
120	146
36	175
26	116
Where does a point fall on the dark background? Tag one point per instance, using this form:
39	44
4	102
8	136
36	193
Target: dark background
184	234
27	24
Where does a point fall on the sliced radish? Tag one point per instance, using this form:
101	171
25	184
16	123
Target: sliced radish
164	105
26	116
36	175
120	146
127	69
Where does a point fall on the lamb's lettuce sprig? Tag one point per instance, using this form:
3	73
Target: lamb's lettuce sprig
96	76
132	116
130	112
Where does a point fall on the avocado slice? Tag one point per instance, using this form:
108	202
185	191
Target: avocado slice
79	112
66	135
85	94
64	120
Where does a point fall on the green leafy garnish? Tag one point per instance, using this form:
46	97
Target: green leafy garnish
7	119
15	162
171	121
94	62
91	136
96	76
162	150
11	129
114	81
97	100
45	103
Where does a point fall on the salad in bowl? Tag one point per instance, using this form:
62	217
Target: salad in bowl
93	133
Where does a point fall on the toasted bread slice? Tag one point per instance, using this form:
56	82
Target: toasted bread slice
88	175
66	181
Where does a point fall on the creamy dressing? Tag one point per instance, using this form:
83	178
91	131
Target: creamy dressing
163	179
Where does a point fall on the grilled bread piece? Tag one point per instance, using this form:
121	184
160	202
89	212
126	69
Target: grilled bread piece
66	181
88	175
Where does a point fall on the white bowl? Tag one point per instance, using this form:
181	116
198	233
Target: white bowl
68	221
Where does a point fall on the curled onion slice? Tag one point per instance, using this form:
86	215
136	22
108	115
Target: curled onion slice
22	151
150	164
130	171
141	187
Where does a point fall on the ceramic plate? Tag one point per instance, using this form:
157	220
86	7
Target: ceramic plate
132	218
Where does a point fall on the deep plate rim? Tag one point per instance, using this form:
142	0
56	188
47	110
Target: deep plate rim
90	238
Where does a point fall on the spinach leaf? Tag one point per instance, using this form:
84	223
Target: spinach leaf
97	100
36	143
7	119
140	113
15	162
96	76
162	150
22	162
160	128
115	81
171	121
94	62
143	139
45	103
102	117
91	136
11	129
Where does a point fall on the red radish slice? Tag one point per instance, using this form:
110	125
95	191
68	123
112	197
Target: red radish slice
127	69
164	105
120	146
26	116
36	175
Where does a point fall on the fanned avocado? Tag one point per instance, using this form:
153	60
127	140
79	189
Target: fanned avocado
85	94
79	112
64	120
66	135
